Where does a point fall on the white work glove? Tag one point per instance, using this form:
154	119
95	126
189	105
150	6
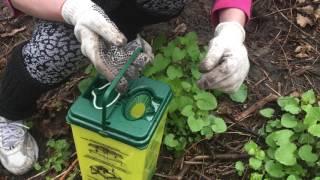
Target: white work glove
103	43
88	17
226	65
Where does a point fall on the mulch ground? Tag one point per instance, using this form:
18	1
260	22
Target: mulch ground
284	59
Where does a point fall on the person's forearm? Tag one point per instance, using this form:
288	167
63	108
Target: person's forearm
233	15
44	9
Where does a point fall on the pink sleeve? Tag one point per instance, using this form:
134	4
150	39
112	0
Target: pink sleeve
244	5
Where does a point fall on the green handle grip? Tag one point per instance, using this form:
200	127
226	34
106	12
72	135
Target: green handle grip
106	112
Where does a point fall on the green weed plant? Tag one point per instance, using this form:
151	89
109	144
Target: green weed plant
190	117
292	145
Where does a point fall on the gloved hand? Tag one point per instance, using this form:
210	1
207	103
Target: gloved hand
87	17
110	59
103	43
226	65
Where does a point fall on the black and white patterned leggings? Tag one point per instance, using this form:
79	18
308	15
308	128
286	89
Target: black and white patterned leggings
53	53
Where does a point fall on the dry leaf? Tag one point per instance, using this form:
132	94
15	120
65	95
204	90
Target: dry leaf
303	21
303	51
307	9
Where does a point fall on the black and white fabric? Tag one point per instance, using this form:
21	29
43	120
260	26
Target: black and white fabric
162	7
53	53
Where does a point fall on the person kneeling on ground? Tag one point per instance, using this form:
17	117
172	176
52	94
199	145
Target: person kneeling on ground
72	33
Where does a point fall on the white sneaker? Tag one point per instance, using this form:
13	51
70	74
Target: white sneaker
18	149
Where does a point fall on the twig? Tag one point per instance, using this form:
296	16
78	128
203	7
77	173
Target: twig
66	172
273	90
195	163
243	115
222	157
13	32
37	175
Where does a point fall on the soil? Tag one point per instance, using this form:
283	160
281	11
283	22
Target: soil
284	60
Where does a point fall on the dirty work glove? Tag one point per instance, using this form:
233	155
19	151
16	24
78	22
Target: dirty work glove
88	17
110	59
226	65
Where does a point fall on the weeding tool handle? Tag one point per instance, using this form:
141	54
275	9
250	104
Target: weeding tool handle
113	85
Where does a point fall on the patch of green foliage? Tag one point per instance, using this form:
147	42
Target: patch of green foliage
292	141
190	115
59	153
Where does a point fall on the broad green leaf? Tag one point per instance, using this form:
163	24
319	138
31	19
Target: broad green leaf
186	86
168	51
174	105
57	167
37	166
178	54
183	101
195	72
286	154
274	169
207	132
251	147
270	152
306	139
292	108
187	111
306	107
260	154
300	127
192	37
182	143
296	170
241	95
194	52
256	176
218	125
207	121
314	130
159	42
174	72
267	112
275	123
312	116
316	178
206	101
289	120
287	100
240	167
306	154
282	137
292	177
170	140
159	64
308	97
195	125
255	163
289	104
